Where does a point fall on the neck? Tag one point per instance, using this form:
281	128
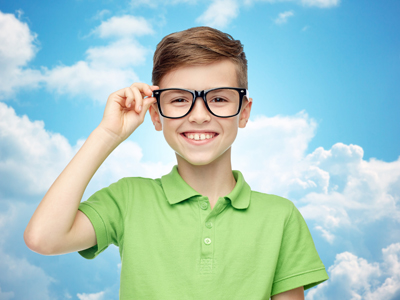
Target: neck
213	180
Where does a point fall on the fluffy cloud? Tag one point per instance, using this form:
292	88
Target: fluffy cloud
105	69
32	157
19	278
156	3
354	278
120	54
270	151
335	188
355	192
17	48
220	13
123	27
96	296
18	272
314	3
7	295
86	80
283	17
321	3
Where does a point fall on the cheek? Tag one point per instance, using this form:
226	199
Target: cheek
231	127
170	126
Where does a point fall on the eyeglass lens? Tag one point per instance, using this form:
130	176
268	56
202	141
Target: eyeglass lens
222	102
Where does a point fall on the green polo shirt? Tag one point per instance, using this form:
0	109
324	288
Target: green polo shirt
174	246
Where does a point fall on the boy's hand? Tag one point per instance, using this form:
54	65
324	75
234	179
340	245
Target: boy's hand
125	110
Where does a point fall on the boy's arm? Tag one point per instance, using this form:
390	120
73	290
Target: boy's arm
295	294
57	226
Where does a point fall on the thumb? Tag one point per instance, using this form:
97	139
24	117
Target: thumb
147	102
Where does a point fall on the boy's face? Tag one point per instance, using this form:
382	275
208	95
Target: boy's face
177	132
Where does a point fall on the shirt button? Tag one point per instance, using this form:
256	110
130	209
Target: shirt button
207	241
209	224
203	205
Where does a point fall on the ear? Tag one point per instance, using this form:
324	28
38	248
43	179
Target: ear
245	113
155	117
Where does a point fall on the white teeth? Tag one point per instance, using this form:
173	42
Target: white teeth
199	136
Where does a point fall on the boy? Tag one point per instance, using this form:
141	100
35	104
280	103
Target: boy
198	232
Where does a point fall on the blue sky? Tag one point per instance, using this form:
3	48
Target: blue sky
323	132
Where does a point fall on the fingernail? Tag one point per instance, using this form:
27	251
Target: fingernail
140	108
129	105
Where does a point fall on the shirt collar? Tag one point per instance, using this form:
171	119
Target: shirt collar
177	190
240	195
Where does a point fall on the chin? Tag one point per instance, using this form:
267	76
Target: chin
198	160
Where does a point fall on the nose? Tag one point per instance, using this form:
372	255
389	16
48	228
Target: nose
199	113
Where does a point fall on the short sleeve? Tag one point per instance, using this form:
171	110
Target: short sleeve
105	210
298	263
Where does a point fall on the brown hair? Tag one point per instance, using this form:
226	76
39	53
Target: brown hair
198	46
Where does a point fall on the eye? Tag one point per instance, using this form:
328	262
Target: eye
218	100
179	100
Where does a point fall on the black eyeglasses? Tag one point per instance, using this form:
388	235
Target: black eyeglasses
223	102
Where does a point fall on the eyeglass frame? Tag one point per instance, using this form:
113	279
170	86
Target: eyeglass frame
242	92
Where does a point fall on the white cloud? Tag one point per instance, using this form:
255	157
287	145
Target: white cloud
17	48
156	3
335	188
6	295
126	161
354	278
220	13
357	191
270	151
96	296
315	3
100	14
18	272
124	27
321	3
283	17
88	80
105	69
121	54
149	3
19	278
32	158
326	234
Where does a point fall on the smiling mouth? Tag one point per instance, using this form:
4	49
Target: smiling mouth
200	136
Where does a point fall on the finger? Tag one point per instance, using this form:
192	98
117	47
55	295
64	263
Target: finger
130	97
154	87
151	89
138	99
144	88
147	102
